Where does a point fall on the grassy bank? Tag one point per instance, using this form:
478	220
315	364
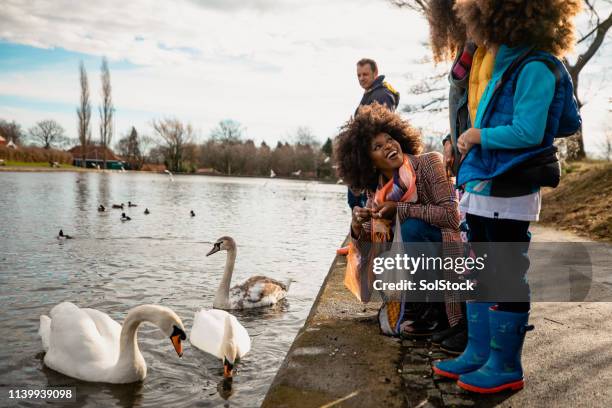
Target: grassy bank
582	203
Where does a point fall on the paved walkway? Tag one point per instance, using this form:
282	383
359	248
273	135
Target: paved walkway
339	358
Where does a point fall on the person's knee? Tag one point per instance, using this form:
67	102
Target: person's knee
416	230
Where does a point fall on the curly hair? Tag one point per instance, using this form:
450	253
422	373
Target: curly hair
544	24
446	30
353	144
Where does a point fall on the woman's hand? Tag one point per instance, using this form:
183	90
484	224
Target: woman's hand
468	139
361	215
386	210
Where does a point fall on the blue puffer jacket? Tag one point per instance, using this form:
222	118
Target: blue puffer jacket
563	119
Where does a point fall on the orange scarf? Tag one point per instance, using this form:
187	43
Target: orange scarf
401	188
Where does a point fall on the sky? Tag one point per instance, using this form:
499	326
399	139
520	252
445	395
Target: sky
273	66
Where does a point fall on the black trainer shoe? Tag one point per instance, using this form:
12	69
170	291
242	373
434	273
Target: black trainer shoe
455	344
439	337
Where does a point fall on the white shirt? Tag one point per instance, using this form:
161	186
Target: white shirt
522	208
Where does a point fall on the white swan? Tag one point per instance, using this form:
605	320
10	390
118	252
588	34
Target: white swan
219	333
257	291
87	344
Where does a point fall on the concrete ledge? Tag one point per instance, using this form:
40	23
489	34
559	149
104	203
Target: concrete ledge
339	358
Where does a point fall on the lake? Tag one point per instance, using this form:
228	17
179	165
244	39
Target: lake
284	229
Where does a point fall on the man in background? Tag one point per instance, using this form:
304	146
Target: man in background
376	89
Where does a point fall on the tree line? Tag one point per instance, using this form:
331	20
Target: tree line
226	151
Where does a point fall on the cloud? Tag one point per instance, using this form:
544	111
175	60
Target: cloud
271	65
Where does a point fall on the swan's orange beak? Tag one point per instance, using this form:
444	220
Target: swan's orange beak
228	369
176	342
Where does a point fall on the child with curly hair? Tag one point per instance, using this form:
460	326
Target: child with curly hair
519	106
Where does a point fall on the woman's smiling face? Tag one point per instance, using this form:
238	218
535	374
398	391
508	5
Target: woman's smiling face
386	153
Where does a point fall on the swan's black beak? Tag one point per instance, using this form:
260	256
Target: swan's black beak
215	248
228	369
176	337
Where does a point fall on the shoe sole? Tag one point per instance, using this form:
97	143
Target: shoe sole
452	352
417	335
446	374
514	386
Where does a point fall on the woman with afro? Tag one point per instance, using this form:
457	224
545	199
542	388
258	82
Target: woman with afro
520	98
379	152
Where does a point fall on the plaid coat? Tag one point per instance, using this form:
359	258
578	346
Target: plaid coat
437	202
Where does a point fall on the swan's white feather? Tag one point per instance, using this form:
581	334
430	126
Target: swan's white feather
44	331
76	346
208	332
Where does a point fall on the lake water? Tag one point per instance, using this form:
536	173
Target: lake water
283	229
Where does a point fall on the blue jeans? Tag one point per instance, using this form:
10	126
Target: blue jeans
354	200
416	230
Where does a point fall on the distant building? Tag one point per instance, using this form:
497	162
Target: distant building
2	141
94	157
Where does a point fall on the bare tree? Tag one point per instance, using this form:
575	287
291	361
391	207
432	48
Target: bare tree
84	115
106	110
48	133
129	148
11	131
175	136
228	130
227	134
598	27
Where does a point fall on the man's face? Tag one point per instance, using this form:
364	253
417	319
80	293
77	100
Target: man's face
366	76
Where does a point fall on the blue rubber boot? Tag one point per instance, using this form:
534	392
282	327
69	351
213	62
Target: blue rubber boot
503	369
476	352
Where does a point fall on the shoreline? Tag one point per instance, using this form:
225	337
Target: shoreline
34	169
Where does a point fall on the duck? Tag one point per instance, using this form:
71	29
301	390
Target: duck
131	204
192	213
220	334
117	206
257	291
146	211
101	208
61	235
125	217
88	345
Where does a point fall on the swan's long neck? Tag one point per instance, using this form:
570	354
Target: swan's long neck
129	353
228	346
222	296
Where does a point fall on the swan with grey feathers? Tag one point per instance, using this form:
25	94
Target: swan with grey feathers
257	291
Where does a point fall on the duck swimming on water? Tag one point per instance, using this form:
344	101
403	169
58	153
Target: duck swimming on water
117	206
192	213
125	217
131	204
61	235
146	211
101	208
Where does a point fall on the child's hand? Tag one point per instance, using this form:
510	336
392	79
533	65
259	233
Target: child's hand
468	139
